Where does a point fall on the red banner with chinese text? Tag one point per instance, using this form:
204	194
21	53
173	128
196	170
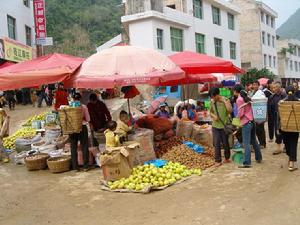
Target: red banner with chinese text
40	18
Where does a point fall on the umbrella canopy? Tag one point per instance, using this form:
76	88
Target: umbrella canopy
125	66
200	78
6	64
155	104
44	70
195	63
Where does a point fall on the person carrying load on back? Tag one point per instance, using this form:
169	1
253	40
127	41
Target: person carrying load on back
4	120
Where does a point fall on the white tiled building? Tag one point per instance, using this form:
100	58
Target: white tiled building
205	26
289	59
17	21
258	35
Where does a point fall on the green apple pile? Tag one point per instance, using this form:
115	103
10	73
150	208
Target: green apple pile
151	176
34	118
25	132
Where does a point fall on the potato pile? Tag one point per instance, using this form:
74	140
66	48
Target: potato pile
185	156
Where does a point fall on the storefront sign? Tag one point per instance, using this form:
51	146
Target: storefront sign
14	52
40	18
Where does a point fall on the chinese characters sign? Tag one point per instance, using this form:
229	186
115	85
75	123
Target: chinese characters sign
15	52
40	18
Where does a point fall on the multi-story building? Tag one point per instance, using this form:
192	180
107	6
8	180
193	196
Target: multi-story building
288	60
16	30
258	35
205	26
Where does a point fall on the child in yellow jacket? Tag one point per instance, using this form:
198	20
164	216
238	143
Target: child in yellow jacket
122	128
112	139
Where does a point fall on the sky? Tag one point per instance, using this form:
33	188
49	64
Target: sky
284	8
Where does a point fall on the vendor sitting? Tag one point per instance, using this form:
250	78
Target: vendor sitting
123	128
112	139
162	112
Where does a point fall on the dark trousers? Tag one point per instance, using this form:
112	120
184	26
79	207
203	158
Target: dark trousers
83	138
261	133
271	126
219	139
290	140
41	97
11	102
274	128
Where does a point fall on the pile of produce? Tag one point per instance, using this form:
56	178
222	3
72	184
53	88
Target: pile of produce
186	156
163	147
40	117
149	176
25	132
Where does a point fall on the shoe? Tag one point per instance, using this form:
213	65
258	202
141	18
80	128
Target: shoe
259	161
227	161
277	152
218	164
6	160
86	169
271	140
245	166
262	146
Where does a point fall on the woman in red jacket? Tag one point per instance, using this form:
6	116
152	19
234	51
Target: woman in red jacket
61	97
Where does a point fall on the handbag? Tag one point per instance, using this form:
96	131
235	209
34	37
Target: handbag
228	128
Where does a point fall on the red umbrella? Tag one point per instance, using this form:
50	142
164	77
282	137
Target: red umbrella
44	70
125	66
195	63
6	64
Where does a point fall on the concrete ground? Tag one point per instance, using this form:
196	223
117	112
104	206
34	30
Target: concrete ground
266	194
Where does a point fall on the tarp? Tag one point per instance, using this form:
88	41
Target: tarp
125	66
43	70
6	64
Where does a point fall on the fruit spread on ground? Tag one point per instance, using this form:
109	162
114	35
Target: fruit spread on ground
25	132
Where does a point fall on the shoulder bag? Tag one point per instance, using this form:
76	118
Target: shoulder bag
228	128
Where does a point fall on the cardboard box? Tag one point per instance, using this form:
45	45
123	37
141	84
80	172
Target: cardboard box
134	150
115	164
145	137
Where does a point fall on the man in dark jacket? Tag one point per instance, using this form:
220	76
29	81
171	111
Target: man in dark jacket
99	113
273	104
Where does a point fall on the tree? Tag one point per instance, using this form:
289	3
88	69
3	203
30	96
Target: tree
255	74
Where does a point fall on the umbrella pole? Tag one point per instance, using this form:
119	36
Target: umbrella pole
128	107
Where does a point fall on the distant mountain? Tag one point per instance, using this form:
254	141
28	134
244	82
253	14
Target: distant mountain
291	28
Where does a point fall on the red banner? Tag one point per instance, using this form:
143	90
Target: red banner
40	18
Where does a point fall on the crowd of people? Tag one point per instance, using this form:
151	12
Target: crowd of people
252	133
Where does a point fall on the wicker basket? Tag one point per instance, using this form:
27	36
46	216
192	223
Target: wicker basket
59	164
36	162
71	120
61	141
289	112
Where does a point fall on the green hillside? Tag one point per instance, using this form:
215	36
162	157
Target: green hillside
291	28
79	26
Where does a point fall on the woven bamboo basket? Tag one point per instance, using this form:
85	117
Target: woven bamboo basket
71	120
61	141
36	162
59	164
289	112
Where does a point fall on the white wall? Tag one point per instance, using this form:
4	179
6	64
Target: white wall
143	32
23	16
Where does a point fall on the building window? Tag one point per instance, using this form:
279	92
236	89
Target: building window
272	22
216	15
265	60
218	47
173	6
299	51
274	61
267	19
269	39
160	38
26	3
200	43
231	24
176	39
291	65
263	37
270	61
262	16
273	41
296	66
11	25
232	46
286	64
28	35
198	9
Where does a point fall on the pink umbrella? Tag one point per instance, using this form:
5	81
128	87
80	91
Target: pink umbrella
155	104
125	66
263	81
